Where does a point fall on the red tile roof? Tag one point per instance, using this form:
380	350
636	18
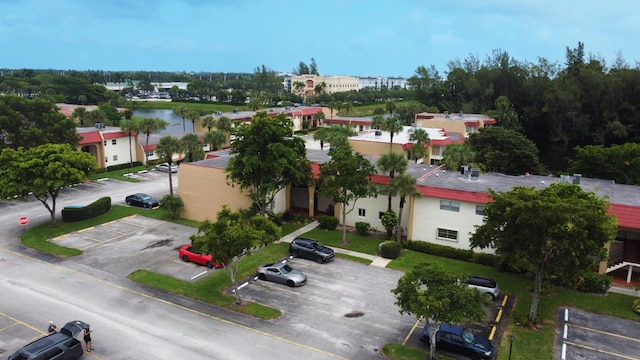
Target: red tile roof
628	216
117	134
91	137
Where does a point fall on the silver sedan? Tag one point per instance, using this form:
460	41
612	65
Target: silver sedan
282	273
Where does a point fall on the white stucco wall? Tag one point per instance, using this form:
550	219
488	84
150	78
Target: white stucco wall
373	207
120	149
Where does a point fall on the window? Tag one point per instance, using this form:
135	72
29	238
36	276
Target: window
149	153
447	234
113	142
436	151
362	212
450	205
115	157
470	129
479	209
105	143
106	159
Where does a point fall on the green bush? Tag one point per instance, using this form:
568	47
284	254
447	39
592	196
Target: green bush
96	208
277	219
440	250
389	220
390	249
327	222
593	282
484	259
636	306
123	166
363	228
173	205
521	318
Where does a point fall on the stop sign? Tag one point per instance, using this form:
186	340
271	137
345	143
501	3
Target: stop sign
24	220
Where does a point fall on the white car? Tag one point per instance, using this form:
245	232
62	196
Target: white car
164	167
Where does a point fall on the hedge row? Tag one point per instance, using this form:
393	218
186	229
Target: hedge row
98	207
452	253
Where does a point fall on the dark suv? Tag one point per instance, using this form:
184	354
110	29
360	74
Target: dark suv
310	249
60	345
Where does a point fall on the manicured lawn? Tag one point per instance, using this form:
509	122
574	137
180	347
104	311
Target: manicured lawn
333	238
119	174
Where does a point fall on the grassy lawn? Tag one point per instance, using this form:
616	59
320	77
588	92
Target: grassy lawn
333	238
118	174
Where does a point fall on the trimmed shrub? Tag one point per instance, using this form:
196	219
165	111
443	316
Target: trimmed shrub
440	250
593	282
363	228
484	259
277	219
96	208
390	249
123	166
389	220
636	306
173	205
327	222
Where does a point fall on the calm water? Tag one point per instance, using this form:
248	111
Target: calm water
175	121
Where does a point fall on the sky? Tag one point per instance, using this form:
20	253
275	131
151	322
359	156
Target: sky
345	37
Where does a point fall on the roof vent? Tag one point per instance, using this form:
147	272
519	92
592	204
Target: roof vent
475	174
446	114
577	178
99	126
564	179
461	114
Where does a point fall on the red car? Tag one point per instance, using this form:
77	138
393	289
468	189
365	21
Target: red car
187	254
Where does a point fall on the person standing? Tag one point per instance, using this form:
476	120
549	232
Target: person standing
52	328
87	338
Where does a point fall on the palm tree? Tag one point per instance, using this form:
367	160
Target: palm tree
390	106
129	125
82	99
183	112
192	147
224	124
148	126
215	139
419	149
193	116
209	122
404	186
390	124
79	114
332	106
392	163
317	119
456	155
167	146
347	106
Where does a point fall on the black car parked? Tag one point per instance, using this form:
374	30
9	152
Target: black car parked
60	345
310	249
142	200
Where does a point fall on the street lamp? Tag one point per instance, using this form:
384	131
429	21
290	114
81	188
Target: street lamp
510	346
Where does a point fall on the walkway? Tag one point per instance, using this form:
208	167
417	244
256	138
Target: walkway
375	260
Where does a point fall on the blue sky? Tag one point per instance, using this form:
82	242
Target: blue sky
346	37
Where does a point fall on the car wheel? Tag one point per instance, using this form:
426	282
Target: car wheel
319	260
290	283
491	297
185	258
209	265
294	253
128	202
262	277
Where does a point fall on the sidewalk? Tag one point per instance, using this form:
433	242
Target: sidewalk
375	260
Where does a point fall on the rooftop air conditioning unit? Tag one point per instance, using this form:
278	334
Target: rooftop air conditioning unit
475	174
564	179
378	133
577	178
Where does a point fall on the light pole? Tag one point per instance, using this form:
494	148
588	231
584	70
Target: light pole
510	346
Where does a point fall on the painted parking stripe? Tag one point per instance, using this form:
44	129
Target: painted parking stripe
600	351
604	332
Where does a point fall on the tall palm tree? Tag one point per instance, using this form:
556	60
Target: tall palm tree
192	147
167	146
347	106
130	125
392	163
419	149
148	126
404	186
183	112
209	122
215	139
390	106
193	116
79	114
332	106
224	124
390	124
317	119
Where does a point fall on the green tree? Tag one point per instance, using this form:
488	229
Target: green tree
419	149
192	147
172	204
429	292
347	106
183	112
336	135
82	99
620	163
392	163
43	170
504	151
403	186
390	106
232	237
129	126
267	159
96	117
558	231
29	123
193	116
456	155
79	114
215	139
317	118
389	124
166	148
345	179
148	126
209	122
224	124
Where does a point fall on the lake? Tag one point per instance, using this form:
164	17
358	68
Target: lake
175	121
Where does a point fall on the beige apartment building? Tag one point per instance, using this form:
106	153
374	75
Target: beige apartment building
333	84
460	123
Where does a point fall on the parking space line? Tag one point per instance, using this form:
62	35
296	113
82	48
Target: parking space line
404	342
604	332
8	326
22	323
108	223
86	229
60	237
600	351
178	306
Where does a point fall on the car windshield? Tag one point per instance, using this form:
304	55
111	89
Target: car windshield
286	269
467	336
146	197
319	246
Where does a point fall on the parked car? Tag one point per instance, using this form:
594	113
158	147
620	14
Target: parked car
484	284
165	167
460	340
282	273
61	345
187	254
311	249
142	200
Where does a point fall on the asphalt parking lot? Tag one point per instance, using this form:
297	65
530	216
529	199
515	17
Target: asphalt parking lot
586	336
